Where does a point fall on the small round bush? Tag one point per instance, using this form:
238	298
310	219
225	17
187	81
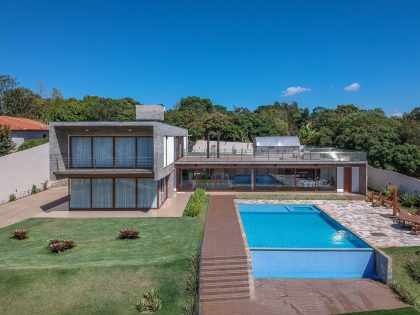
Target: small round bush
19	234
58	246
128	233
149	302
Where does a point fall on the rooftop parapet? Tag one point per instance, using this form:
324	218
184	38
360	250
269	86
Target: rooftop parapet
150	112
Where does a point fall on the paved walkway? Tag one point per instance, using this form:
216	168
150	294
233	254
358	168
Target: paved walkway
361	218
53	203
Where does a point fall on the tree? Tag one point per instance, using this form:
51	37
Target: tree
6	144
6	83
22	102
308	135
406	159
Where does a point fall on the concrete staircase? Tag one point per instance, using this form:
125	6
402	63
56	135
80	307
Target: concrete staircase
225	278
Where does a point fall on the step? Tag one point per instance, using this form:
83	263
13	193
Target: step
225	267
223	279
218	291
233	284
224	262
225	297
220	273
213	258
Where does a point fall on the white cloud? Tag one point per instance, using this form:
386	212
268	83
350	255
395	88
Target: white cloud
352	87
293	90
397	113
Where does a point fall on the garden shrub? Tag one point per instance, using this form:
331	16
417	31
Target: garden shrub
128	233
195	203
12	197
413	267
45	185
34	189
30	143
404	294
408	200
192	287
19	234
149	302
58	246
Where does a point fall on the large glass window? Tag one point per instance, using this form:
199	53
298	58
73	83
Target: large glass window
305	179
187	180
145	152
80	193
243	179
264	179
125	193
81	151
101	193
327	179
147	193
285	179
162	191
125	152
103	151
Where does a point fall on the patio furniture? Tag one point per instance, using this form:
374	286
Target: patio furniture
406	219
379	201
370	197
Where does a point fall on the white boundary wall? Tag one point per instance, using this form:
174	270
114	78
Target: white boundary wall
378	179
20	170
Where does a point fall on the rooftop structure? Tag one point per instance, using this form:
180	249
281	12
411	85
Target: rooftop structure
282	141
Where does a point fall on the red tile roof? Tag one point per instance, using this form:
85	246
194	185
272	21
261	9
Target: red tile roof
17	123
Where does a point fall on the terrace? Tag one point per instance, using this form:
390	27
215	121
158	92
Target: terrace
278	155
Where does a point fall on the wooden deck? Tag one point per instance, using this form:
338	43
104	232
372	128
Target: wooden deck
226	276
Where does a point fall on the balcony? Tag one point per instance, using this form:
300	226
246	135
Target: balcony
69	166
306	155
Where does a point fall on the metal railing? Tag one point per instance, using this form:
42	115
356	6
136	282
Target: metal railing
105	163
316	154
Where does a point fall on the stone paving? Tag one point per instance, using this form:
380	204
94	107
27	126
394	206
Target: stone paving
362	219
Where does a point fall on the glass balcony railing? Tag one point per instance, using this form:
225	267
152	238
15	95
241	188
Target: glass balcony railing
308	154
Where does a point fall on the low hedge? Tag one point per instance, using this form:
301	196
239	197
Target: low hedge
195	203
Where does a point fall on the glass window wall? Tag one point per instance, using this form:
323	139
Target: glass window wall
102	193
80	193
125	193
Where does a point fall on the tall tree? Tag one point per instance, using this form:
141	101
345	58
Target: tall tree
6	144
6	83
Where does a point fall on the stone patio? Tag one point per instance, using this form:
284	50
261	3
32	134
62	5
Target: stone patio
361	218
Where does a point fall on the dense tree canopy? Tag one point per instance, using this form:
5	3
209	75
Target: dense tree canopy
392	143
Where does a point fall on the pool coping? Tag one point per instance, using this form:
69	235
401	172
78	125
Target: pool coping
383	263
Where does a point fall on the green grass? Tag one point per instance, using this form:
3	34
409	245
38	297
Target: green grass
291	196
398	311
32	143
102	274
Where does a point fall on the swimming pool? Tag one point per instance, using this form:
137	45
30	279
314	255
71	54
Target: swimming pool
301	241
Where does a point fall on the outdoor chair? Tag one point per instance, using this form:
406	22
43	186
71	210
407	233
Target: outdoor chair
378	202
370	197
406	219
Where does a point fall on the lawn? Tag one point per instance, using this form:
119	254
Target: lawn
102	274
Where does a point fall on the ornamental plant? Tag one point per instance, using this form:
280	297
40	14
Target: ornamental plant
59	246
128	233
19	234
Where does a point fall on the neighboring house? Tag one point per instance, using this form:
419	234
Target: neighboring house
139	164
22	129
117	165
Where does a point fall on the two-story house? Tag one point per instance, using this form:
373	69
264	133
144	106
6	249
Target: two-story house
117	165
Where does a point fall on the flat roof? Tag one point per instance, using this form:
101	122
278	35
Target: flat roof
277	141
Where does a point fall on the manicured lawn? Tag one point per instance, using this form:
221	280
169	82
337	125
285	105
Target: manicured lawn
399	311
102	274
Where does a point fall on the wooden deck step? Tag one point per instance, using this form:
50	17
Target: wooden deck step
224	267
225	297
217	291
227	273
224	279
232	284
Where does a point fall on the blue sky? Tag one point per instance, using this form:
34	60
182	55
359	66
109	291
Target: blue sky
242	53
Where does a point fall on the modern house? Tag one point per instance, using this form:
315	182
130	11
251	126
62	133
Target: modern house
22	129
117	165
139	164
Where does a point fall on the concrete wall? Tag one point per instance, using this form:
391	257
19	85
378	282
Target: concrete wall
225	146
379	179
18	137
20	170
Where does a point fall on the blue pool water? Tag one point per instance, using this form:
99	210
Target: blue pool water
301	241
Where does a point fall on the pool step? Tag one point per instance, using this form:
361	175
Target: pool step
224	279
